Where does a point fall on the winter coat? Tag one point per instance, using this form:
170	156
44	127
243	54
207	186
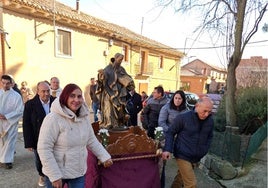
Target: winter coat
151	111
167	115
193	136
33	116
135	107
63	142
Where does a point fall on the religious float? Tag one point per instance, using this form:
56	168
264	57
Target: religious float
135	156
136	159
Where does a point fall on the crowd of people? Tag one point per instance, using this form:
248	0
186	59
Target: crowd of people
57	127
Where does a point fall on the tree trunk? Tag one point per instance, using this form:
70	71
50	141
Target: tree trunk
231	115
230	95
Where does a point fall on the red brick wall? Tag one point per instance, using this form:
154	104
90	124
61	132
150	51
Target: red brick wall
197	84
252	72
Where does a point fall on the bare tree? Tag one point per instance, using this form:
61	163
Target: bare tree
235	20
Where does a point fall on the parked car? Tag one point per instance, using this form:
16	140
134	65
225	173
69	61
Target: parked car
191	98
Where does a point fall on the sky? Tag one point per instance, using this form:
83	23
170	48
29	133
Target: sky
169	28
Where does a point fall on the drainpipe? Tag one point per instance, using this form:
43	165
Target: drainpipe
77	6
54	28
3	52
177	76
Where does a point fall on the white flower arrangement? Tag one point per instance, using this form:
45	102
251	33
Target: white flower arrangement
158	133
104	133
159	129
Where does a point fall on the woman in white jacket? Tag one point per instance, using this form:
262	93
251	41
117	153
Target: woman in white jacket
65	134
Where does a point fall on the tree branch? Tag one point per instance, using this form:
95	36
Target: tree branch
228	6
256	25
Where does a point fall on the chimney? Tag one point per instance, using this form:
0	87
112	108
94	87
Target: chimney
77	6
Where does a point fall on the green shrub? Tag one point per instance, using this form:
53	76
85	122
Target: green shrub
251	103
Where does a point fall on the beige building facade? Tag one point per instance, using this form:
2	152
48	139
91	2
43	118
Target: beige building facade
42	39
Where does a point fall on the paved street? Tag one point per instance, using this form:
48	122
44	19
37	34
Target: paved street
24	175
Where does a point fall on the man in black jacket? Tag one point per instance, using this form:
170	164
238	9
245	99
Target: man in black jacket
152	109
136	105
189	138
35	111
94	100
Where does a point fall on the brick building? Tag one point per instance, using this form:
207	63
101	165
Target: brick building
196	75
252	72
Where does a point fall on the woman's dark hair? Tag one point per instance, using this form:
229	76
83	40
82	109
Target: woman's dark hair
183	104
66	92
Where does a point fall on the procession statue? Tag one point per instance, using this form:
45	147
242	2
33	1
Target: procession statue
114	83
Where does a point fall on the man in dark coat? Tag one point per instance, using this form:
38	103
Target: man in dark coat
152	109
135	107
94	100
189	138
35	111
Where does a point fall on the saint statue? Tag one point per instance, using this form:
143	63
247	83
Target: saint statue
113	85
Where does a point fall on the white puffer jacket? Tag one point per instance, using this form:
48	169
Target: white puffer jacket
63	142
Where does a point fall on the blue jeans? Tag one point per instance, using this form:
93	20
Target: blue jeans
38	163
72	183
95	107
